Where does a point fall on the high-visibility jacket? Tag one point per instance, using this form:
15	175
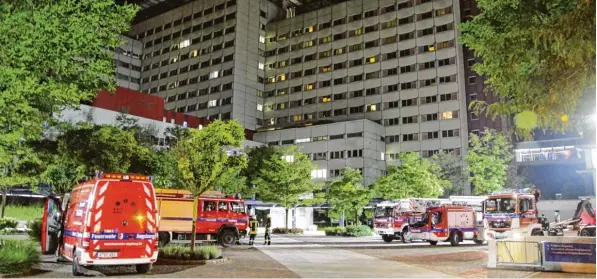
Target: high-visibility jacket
253	227
268	225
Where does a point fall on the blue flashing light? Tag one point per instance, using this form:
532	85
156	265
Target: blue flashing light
84	179
99	174
151	178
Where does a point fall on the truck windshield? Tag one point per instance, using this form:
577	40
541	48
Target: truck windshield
384	212
418	220
502	205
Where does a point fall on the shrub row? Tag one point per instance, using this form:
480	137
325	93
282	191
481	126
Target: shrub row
352	231
18	256
287	231
179	252
8	223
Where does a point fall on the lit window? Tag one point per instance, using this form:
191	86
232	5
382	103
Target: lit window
302	140
194	53
212	103
261	66
449	115
282	77
297	117
431	48
326	99
262	39
309	86
184	43
383	157
321	173
259	107
327	69
310	29
371	59
372	107
213	74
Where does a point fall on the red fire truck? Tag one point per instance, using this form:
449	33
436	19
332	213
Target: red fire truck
453	223
392	217
109	220
219	217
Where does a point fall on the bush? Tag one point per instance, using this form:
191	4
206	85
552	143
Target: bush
335	231
34	230
8	223
356	231
18	256
352	231
179	252
287	231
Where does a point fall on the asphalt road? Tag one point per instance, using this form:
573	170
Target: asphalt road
329	257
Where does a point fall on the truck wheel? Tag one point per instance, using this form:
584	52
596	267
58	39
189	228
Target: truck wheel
227	238
455	238
478	241
405	236
537	233
143	268
432	242
76	269
587	232
387	238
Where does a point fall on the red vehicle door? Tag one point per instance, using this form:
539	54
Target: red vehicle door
207	222
51	228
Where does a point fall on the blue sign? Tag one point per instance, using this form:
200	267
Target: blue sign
569	252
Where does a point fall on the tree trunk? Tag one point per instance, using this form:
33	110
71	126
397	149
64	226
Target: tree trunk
194	226
341	221
357	221
286	223
4	193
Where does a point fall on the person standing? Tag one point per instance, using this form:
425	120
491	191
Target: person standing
268	225
252	229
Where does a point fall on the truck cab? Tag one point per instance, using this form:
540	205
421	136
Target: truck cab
392	217
511	214
453	223
108	220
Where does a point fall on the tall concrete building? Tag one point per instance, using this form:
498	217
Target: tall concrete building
353	82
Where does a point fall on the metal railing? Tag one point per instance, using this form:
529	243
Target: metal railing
518	253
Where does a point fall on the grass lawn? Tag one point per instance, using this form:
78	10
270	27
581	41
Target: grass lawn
24	213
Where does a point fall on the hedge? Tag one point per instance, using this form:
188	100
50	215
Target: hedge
179	252
35	229
287	231
8	223
351	231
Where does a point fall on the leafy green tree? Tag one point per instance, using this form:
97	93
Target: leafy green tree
347	194
51	59
203	158
20	166
282	175
163	169
450	170
488	158
538	56
62	173
232	182
414	178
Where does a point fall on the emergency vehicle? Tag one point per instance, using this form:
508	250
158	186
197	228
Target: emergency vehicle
109	220
453	223
392	217
219	217
511	214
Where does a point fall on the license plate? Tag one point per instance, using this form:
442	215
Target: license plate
107	254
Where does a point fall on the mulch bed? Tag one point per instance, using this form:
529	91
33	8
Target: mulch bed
191	262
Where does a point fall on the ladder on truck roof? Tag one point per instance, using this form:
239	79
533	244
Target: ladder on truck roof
417	204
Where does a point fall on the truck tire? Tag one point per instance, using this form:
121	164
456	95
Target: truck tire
455	238
478	241
143	268
433	243
227	238
587	232
537	232
76	269
387	238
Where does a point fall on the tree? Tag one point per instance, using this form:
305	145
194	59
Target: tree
347	194
282	175
488	158
22	167
414	177
450	170
163	169
62	173
51	59
203	158
538	56
233	181
516	178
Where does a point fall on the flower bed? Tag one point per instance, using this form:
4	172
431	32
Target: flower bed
287	231
178	254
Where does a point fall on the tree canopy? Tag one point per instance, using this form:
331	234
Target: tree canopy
488	158
450	170
414	177
539	56
346	194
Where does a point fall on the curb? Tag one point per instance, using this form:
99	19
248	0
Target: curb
191	262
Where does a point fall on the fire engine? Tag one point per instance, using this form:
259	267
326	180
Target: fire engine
453	223
391	217
219	217
109	220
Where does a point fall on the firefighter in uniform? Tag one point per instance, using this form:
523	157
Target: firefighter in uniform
252	229
268	225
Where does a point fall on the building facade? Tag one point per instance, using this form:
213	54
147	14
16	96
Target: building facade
389	73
